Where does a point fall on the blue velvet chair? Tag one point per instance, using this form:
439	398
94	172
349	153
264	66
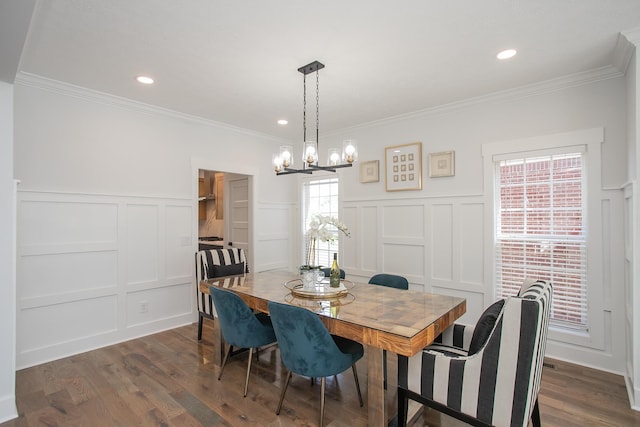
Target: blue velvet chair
307	348
390	281
240	327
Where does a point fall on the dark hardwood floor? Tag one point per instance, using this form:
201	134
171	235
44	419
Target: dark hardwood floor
170	379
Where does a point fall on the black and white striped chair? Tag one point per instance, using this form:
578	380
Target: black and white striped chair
215	263
488	374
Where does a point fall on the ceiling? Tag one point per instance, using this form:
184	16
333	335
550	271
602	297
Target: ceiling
236	61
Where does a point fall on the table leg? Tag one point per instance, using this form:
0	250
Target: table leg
375	387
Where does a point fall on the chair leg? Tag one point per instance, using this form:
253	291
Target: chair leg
535	416
402	407
224	361
246	381
323	382
200	318
355	377
284	390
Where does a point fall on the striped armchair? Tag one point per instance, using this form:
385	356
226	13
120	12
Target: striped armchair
488	374
215	263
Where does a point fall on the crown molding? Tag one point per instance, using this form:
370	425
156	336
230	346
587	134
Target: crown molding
68	89
625	46
508	95
535	89
632	35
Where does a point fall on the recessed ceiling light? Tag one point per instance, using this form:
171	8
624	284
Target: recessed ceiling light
283	122
145	80
506	54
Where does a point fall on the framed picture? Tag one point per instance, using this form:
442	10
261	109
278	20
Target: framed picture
442	164
403	167
370	171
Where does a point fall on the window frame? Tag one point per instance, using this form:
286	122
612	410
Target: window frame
528	234
330	247
589	141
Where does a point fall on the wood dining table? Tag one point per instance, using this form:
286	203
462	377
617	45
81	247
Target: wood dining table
379	317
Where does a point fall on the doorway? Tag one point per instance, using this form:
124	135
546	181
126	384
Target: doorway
223	211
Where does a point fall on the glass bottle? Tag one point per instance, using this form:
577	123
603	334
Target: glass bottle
334	275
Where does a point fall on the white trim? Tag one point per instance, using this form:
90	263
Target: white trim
592	139
536	89
67	89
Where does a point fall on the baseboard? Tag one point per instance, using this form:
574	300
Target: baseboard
8	410
634	394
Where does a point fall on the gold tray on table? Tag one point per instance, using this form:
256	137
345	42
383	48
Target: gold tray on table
321	290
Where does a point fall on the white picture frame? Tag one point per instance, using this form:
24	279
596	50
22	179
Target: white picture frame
370	171
442	164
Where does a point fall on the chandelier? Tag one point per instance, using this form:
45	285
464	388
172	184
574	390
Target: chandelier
283	162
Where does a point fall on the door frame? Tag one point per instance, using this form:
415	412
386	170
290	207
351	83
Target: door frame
198	163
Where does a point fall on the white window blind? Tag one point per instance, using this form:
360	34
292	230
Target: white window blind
541	230
320	196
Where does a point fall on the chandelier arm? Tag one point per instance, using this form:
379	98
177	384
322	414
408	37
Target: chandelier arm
304	117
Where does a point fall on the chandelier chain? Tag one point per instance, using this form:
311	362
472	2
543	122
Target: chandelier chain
317	109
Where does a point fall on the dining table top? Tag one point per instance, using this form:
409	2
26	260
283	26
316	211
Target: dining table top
402	321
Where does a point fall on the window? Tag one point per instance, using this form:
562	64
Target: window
541	228
319	196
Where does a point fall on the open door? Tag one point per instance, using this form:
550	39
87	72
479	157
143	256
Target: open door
238	218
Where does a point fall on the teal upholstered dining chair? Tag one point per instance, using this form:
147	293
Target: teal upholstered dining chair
240	327
307	348
390	281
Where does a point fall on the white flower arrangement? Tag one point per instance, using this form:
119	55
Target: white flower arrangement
322	227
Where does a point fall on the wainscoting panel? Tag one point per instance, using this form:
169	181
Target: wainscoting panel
43	222
48	274
273	233
471	243
368	241
272	251
142	243
349	245
403	221
179	247
47	326
158	303
93	270
404	260
442	241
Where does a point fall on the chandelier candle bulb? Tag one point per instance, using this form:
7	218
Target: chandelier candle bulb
277	162
334	157
310	154
349	151
286	155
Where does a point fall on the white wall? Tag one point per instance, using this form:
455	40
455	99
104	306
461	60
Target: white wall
7	258
107	215
79	152
437	237
632	229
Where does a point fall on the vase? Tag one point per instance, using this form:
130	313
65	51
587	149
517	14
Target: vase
312	259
